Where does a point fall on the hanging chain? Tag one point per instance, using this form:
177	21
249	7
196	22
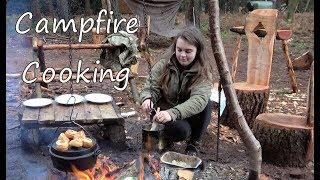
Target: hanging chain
70	60
144	14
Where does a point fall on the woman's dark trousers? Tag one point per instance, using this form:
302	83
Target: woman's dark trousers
192	127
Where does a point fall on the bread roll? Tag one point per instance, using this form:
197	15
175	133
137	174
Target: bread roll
63	137
77	142
62	145
87	142
80	134
70	133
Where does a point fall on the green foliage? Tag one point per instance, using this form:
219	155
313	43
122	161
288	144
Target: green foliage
224	34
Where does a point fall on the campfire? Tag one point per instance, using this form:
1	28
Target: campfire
104	169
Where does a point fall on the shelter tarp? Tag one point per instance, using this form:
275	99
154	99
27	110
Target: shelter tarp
162	14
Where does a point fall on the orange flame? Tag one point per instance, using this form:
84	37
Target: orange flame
141	167
98	172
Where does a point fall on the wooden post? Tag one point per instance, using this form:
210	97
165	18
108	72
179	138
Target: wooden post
310	104
235	57
42	62
98	38
289	66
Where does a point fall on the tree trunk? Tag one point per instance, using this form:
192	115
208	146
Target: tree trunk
50	8
253	100
103	4
253	146
116	12
87	7
192	15
292	6
36	10
284	139
63	12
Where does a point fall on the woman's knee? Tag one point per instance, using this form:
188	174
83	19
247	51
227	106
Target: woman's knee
177	131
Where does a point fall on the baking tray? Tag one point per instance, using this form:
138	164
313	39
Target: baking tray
180	160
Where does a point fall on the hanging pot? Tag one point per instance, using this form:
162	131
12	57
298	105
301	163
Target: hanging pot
82	158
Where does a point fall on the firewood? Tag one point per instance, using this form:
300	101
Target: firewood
303	62
185	174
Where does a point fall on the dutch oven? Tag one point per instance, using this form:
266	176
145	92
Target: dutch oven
82	158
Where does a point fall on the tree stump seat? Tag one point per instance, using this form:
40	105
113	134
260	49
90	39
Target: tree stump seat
286	140
253	101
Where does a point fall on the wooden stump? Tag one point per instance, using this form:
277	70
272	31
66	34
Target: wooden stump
253	101
97	38
286	140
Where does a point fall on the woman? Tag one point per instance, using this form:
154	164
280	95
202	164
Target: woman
181	86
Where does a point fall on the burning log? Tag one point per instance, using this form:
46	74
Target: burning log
102	167
120	169
141	167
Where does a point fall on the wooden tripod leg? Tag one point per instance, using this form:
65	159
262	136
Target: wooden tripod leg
235	59
289	66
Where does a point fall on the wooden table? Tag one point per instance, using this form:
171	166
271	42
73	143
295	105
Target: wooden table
56	115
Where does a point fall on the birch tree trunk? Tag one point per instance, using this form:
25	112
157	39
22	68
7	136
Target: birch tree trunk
87	7
251	143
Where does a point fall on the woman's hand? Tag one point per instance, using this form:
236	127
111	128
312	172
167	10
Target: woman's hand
145	106
162	117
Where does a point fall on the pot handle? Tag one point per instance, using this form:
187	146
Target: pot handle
97	152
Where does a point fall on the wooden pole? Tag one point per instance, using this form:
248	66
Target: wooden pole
148	25
235	57
75	46
42	63
89	76
251	143
289	66
310	105
35	71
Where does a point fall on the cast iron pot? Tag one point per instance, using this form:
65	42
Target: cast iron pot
81	158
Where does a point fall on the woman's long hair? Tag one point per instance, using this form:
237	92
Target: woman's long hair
194	37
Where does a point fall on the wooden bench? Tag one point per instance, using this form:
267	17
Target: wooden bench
56	115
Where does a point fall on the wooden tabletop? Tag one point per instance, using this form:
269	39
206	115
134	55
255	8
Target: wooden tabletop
82	113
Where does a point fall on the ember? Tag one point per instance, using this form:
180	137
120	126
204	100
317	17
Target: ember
153	164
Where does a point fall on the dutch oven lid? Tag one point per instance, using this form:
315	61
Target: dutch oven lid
73	151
